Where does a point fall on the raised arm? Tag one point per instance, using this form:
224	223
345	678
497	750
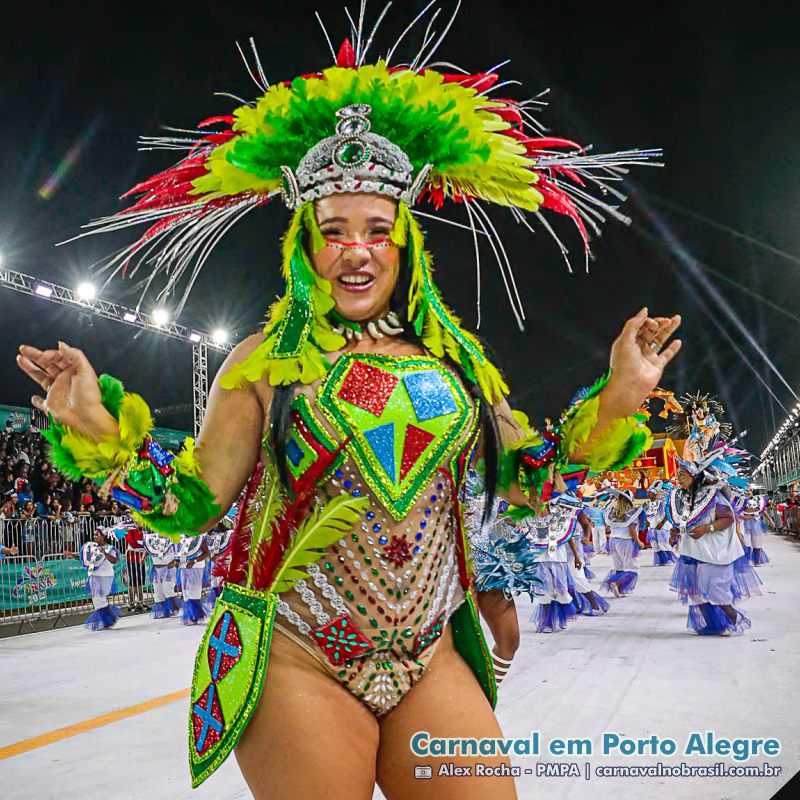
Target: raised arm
102	432
600	430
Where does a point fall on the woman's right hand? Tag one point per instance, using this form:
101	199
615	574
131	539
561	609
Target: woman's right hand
73	392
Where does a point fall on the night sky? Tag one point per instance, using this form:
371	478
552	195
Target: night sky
715	236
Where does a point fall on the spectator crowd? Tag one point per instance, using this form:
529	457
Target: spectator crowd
40	500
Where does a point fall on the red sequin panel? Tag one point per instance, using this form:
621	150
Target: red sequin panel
413	447
340	640
368	387
224	647
208	724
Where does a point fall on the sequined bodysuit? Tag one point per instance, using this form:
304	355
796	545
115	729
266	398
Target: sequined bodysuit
379	599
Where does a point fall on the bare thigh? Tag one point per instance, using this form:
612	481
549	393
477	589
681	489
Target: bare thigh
447	701
309	737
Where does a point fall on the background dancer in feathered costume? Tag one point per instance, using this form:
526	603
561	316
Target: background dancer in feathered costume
99	557
551	533
504	566
163	574
353	419
219	546
192	555
656	514
753	516
703	523
587	602
622	520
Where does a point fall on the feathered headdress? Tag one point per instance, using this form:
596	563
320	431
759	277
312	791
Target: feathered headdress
684	420
407	131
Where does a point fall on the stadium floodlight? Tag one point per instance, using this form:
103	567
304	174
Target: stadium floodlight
43	290
195	337
160	316
129	316
220	336
87	291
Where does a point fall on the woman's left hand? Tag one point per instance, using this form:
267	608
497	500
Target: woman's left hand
639	356
696	533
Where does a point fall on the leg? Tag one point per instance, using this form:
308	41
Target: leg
447	702
309	737
500	614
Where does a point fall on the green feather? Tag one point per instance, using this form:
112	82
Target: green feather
271	502
318	532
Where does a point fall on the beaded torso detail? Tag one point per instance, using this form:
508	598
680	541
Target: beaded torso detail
379	598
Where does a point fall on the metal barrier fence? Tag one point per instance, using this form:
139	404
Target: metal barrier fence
42	583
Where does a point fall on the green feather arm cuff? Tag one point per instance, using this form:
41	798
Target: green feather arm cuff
164	492
531	462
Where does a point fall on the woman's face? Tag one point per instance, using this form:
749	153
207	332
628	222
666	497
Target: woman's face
684	479
360	262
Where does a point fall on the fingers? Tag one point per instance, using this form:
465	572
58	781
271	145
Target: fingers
667	355
667	328
75	358
39	403
48	361
34	372
633	326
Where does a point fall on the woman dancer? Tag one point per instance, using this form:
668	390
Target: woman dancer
585	599
192	555
657	534
99	557
622	520
703	522
754	522
371	400
551	533
219	543
163	574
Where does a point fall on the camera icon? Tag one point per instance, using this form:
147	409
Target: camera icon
423	773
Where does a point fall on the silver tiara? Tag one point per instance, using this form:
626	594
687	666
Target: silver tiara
352	160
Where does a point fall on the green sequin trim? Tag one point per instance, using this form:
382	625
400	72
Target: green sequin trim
244	604
397	498
471	644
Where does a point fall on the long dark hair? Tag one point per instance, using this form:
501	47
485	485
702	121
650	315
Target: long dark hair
280	420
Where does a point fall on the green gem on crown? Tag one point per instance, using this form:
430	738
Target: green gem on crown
351	154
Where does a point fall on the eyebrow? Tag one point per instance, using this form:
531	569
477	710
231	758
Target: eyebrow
345	219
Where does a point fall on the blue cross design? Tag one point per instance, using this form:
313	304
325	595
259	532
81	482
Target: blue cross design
222	647
208	720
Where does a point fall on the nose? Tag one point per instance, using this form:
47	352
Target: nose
356	255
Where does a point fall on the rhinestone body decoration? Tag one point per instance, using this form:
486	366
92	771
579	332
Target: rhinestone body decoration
340	641
378	600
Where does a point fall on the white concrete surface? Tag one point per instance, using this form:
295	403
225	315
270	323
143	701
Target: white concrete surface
635	671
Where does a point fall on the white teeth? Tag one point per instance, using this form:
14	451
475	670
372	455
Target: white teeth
355	279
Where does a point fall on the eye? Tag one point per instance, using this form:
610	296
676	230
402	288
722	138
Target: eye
331	232
384	231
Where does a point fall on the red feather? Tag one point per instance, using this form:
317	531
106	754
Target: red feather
346	56
270	554
240	541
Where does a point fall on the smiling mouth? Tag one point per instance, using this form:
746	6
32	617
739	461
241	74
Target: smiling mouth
356	281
